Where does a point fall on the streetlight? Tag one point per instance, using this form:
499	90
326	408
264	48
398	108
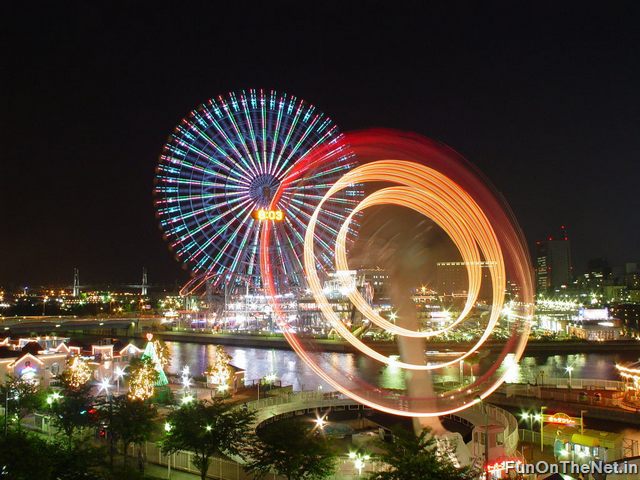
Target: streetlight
359	460
120	373
582	412
569	369
486	431
542	409
105	384
51	399
531	417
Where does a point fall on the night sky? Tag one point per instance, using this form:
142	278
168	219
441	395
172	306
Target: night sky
546	102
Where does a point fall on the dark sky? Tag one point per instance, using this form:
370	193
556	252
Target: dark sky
543	96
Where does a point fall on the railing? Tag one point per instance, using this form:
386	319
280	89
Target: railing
580	383
227	469
587	394
305	400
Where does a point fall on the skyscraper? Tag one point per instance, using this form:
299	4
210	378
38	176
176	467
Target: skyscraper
553	262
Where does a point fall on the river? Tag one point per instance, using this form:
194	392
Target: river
285	364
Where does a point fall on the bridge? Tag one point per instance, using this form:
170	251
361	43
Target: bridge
110	326
298	403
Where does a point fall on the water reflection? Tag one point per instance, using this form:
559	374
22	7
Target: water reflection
259	362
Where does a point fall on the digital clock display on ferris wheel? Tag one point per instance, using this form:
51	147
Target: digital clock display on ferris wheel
262	214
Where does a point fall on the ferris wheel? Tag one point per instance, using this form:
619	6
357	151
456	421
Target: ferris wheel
216	180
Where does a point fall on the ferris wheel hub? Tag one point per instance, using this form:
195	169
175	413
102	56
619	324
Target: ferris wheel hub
262	188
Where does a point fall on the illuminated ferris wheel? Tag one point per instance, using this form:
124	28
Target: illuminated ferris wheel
217	177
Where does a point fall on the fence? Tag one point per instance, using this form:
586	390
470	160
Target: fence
226	469
581	383
585	392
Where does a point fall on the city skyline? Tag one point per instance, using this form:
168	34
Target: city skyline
541	115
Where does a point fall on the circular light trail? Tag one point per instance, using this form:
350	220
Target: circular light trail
434	181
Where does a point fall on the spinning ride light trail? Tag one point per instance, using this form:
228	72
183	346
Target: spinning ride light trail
435	181
217	176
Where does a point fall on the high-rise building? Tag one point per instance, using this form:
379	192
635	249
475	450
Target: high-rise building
378	280
553	263
452	279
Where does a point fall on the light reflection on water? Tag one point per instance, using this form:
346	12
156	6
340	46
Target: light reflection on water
259	362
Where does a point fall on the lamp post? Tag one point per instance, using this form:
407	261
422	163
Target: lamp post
167	429
359	461
542	409
54	397
105	384
569	370
582	412
486	431
119	373
6	409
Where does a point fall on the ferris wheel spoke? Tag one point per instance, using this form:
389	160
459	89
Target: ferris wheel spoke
276	130
253	261
220	231
263	123
221	131
301	227
210	222
285	142
299	143
224	161
252	133
238	134
233	165
190	198
229	242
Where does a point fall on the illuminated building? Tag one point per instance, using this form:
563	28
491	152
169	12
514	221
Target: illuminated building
378	279
598	332
628	314
553	263
452	280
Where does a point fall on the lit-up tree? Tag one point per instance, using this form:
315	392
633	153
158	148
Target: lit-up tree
220	372
158	354
77	374
143	377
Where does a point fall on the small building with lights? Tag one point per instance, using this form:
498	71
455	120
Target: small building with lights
42	359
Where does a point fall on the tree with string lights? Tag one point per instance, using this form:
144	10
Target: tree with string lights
143	378
219	373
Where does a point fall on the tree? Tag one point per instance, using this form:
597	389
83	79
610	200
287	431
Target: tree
132	422
219	373
22	456
73	410
21	397
77	374
208	428
158	353
411	457
143	377
290	449
25	456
